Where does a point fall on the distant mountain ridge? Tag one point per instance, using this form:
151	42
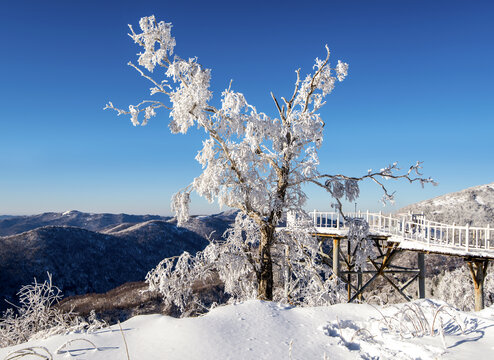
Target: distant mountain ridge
99	252
474	206
95	222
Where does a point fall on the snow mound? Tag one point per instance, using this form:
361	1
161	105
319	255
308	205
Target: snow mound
265	330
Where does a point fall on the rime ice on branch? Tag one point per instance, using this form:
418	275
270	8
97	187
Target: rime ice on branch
251	161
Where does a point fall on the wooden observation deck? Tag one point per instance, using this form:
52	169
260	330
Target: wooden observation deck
392	234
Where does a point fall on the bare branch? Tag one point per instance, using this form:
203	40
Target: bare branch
295	91
278	107
159	87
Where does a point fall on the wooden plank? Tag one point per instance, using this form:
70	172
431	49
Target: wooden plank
409	282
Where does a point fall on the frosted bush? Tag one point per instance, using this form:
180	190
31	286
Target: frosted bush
457	289
36	316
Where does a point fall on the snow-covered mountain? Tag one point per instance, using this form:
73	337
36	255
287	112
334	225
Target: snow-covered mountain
212	226
474	206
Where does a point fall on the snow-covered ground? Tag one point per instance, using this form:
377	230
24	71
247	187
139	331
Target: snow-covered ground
265	330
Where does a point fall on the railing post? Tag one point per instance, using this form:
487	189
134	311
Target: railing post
338	220
315	221
367	216
428	231
453	237
290	218
380	219
467	237
403	227
487	237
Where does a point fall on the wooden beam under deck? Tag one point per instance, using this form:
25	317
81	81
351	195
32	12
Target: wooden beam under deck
388	249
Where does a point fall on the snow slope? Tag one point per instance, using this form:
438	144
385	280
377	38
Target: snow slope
265	330
474	205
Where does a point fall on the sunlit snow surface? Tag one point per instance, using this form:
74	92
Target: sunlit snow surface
264	330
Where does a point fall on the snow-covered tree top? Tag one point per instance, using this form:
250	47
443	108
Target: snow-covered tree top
250	161
247	154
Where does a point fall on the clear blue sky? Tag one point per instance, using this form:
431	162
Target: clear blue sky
420	88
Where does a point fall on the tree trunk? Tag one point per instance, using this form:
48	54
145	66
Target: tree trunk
478	270
265	280
479	295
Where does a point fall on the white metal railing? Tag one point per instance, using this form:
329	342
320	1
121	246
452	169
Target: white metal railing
414	228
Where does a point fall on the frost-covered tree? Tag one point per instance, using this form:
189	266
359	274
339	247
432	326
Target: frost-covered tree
457	289
251	161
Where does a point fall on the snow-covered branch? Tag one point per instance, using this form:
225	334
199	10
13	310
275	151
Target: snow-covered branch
341	185
147	107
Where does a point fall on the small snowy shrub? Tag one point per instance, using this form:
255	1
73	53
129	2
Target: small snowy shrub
421	318
37	316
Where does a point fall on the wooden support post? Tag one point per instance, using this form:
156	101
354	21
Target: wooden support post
478	269
359	285
349	276
421	265
336	257
287	271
